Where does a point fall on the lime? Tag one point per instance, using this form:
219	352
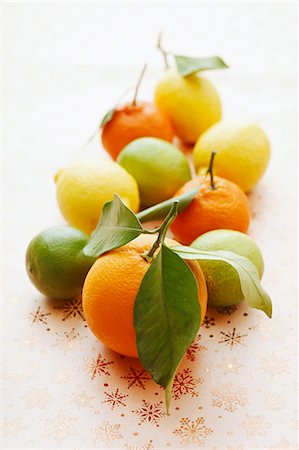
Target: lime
191	103
85	186
222	280
243	152
159	168
55	262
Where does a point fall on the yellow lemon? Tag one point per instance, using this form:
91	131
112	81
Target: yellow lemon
191	103
243	152
85	186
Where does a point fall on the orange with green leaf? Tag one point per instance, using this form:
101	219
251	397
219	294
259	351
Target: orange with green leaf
142	299
125	123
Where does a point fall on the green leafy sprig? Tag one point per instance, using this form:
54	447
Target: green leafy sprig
167	311
187	65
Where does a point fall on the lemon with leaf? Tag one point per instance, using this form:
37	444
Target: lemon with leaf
190	100
243	152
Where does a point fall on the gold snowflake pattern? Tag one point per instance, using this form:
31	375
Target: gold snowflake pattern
68	340
185	383
193	432
99	366
232	338
18	371
229	397
273	365
227	311
194	348
82	399
72	309
150	412
230	366
37	398
60	427
39	316
11	427
148	446
115	399
61	376
107	433
274	402
285	444
137	377
255	425
208	322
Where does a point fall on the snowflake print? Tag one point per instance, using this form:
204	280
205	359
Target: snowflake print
99	366
148	446
232	338
137	377
67	340
150	412
229	397
184	383
72	309
273	365
230	366
255	425
11	427
107	433
208	322
39	316
284	444
274	402
193	432
60	427
194	348
115	398
227	310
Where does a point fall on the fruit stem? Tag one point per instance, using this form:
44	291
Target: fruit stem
164	53
138	84
210	169
162	230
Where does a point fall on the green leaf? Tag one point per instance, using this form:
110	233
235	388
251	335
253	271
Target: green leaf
166	316
107	117
187	65
160	210
118	226
253	292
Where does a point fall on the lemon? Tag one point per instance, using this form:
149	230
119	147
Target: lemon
159	168
222	280
56	264
192	103
85	186
243	152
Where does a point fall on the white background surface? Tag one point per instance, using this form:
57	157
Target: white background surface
64	65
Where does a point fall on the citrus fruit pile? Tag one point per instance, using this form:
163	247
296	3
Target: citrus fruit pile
145	295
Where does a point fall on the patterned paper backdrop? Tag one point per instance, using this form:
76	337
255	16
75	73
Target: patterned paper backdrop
236	387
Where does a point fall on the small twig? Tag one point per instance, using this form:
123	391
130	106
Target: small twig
164	53
210	169
163	230
138	84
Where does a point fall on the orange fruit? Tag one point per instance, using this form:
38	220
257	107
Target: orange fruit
133	121
110	290
225	207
